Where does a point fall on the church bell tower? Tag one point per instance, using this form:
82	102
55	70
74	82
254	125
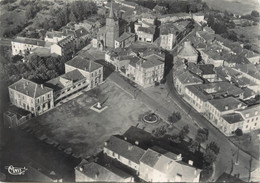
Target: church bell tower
112	28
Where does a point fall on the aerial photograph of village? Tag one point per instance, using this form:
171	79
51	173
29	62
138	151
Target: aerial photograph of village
129	91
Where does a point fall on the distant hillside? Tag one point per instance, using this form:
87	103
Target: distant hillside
234	6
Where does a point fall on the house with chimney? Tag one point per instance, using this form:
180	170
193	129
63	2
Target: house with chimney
93	171
30	96
172	32
63	47
185	78
159	165
124	152
54	36
147	69
251	116
91	70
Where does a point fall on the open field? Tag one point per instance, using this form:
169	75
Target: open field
234	6
82	131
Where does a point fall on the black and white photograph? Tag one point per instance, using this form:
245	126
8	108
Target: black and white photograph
130	91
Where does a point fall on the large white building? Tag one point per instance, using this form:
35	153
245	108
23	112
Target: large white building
31	96
22	45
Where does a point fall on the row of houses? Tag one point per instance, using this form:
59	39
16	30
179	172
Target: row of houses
60	43
80	73
154	164
219	92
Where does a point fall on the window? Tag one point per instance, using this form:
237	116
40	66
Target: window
256	118
252	119
255	124
113	154
246	126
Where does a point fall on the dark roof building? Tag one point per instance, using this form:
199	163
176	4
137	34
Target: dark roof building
84	64
30	88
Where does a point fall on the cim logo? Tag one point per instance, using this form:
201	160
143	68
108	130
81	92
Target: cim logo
16	170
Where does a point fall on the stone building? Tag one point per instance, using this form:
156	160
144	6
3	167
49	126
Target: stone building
31	96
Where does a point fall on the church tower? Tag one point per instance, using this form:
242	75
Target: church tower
112	28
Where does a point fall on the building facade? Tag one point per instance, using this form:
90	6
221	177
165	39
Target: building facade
31	96
92	71
22	45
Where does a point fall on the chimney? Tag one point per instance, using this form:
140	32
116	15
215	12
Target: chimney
125	138
24	85
42	86
226	107
130	147
190	162
27	92
81	168
179	158
239	105
137	142
105	143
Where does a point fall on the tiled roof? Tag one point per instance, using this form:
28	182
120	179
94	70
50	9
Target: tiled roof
148	30
207	69
226	104
64	42
188	78
124	36
232	118
187	50
212	90
101	173
249	69
52	34
30	88
150	61
251	111
125	149
61	81
31	41
168	165
84	64
238	59
80	32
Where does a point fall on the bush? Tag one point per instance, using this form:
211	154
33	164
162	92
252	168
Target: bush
255	13
175	117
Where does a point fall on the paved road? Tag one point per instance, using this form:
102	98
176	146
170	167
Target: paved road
228	151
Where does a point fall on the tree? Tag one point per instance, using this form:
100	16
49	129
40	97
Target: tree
209	157
72	17
160	131
184	131
175	117
201	136
238	132
255	13
214	147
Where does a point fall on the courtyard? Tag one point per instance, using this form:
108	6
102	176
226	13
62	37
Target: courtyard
80	131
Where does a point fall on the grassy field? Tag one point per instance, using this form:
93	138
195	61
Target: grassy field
234	6
76	127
